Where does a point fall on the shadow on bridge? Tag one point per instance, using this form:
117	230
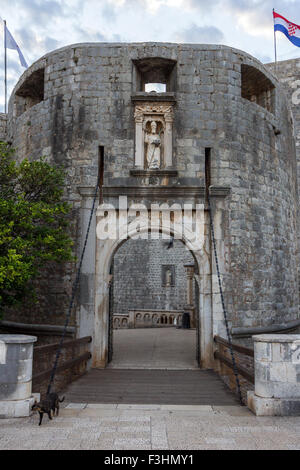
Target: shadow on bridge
169	387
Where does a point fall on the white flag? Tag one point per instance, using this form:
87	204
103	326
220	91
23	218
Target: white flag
11	44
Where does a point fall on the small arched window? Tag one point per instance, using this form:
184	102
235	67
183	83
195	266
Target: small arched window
258	88
31	92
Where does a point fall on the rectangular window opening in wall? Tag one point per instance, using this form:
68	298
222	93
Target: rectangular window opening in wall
30	93
258	88
154	74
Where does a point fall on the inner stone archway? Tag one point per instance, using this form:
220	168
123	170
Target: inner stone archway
105	251
150	293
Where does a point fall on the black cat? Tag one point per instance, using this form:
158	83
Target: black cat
55	401
50	403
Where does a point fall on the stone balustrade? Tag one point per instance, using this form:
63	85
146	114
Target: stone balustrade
122	321
277	375
147	319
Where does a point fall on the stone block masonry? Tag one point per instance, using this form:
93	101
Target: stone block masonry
288	73
3	124
138	276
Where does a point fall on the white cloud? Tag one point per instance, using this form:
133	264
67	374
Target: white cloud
255	16
200	34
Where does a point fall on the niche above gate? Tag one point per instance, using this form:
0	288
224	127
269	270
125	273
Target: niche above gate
154	70
153	135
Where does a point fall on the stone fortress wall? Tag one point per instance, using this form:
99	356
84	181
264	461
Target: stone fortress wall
78	106
140	279
288	73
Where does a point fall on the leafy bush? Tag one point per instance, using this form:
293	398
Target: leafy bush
34	223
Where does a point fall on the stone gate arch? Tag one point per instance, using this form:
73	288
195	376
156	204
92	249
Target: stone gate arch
105	251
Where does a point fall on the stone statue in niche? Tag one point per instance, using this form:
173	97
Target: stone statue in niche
168	278
153	135
153	146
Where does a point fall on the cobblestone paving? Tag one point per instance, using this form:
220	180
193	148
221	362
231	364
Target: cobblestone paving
146	427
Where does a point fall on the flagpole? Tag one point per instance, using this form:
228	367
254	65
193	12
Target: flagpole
5	67
275	44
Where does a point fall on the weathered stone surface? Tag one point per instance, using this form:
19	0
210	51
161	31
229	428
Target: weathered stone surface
16	366
15	391
87	103
138	281
273	406
15	375
277	375
3	124
288	73
16	408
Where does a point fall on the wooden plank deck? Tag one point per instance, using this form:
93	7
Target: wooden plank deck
169	387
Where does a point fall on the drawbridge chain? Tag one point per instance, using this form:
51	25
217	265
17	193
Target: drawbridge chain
74	289
212	231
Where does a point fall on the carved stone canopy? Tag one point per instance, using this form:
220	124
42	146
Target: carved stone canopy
143	110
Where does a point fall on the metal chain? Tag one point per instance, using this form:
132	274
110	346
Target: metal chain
212	231
74	289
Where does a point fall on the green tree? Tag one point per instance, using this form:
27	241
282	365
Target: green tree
34	224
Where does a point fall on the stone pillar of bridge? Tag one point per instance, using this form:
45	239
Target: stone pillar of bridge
277	375
16	355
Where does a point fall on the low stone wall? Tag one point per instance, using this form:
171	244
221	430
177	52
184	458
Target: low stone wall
147	319
277	376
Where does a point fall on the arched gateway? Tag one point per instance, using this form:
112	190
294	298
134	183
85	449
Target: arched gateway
194	235
105	252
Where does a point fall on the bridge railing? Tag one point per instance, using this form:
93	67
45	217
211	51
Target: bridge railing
244	363
143	318
71	365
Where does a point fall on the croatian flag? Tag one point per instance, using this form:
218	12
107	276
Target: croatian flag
291	30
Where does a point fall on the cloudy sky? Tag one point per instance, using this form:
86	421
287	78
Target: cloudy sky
40	26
